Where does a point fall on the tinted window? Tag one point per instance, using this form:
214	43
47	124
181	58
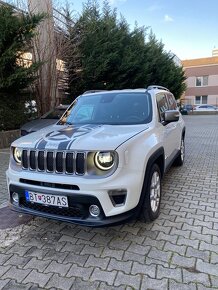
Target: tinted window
162	105
110	108
172	102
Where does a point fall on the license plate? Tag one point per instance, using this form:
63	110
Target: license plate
46	199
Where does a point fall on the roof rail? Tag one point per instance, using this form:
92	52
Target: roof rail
93	91
157	87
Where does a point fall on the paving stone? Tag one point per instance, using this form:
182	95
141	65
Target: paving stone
149	270
150	261
183	261
131	229
190	276
214	258
159	255
205	246
132	281
99	275
118	254
18	261
170	273
4	269
80	260
81	272
158	228
129	256
175	248
92	251
58	268
214	281
203	224
101	240
169	238
79	284
66	238
37	278
180	233
84	235
37	264
3	283
187	242
37	253
16	274
124	266
149	283
173	285
135	239
54	255
207	268
138	249
13	285
59	282
101	263
201	254
4	258
215	240
201	237
17	249
72	248
105	286
119	244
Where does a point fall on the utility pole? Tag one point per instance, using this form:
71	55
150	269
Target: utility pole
45	51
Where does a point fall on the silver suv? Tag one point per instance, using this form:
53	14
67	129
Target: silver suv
103	161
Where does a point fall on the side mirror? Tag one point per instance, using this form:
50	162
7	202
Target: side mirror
171	116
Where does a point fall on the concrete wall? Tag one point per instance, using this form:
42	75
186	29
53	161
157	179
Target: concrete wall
7	137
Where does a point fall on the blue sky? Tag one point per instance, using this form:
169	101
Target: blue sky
188	28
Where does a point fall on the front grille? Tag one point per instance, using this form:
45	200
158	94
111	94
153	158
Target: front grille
49	184
72	211
54	161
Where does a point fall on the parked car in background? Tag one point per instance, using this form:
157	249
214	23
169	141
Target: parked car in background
205	108
47	119
185	109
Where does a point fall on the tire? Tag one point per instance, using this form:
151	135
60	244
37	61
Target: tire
180	159
152	194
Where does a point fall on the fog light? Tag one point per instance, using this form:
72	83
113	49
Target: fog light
15	197
94	210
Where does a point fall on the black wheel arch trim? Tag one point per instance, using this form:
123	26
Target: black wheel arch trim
158	155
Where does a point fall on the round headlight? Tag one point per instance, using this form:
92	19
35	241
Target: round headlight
17	155
104	160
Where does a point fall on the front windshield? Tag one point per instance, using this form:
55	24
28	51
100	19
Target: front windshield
122	108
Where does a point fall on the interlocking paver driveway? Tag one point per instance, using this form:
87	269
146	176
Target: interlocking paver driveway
177	251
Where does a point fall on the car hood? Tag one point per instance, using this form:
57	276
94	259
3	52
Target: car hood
87	137
38	124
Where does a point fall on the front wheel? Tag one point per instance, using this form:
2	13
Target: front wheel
152	196
180	159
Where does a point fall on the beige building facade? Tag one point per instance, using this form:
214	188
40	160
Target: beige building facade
202	81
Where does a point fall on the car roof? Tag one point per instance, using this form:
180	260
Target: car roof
155	88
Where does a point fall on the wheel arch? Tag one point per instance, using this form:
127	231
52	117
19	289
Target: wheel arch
158	158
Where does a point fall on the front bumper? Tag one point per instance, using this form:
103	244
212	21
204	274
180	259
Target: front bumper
77	212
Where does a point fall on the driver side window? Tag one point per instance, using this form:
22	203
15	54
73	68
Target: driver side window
162	105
